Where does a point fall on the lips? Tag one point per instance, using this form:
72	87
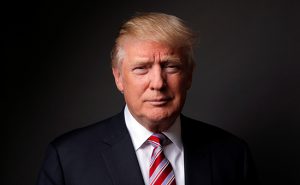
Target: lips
159	101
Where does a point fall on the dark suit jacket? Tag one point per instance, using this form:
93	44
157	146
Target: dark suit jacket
103	154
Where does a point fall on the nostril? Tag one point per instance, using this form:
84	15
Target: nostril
158	84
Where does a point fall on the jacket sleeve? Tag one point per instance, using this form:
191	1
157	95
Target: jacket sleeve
51	172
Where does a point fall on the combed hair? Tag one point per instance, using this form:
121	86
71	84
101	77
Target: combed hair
158	27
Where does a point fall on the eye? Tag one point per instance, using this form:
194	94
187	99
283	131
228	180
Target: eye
140	70
172	68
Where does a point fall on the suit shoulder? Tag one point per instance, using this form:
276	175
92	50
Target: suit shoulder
224	150
95	132
208	132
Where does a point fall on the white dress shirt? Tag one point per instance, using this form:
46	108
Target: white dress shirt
173	151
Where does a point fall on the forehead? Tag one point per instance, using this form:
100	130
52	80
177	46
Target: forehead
151	50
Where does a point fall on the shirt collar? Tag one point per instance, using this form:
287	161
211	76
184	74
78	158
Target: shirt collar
139	134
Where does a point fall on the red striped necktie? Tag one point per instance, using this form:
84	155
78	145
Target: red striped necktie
161	171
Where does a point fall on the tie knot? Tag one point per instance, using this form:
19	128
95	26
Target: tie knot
158	139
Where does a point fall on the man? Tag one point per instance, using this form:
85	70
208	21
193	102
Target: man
149	142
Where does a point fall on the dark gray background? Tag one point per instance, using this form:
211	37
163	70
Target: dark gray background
57	77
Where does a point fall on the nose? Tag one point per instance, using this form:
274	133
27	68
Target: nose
157	78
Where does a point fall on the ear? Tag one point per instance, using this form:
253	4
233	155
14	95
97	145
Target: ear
118	78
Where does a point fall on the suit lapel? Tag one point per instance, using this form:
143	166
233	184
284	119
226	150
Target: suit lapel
120	156
122	164
196	155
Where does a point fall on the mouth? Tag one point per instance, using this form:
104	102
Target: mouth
158	101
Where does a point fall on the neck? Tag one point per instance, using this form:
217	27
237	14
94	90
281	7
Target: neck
157	126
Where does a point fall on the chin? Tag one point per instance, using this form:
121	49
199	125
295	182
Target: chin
159	123
159	116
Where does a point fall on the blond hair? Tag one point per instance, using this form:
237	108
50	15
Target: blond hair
158	27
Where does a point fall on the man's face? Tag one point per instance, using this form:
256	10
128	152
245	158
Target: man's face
154	80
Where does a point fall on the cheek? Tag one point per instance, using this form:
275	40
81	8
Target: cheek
136	86
177	84
140	82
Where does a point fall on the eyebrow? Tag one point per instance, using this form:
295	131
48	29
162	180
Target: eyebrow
166	59
171	58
